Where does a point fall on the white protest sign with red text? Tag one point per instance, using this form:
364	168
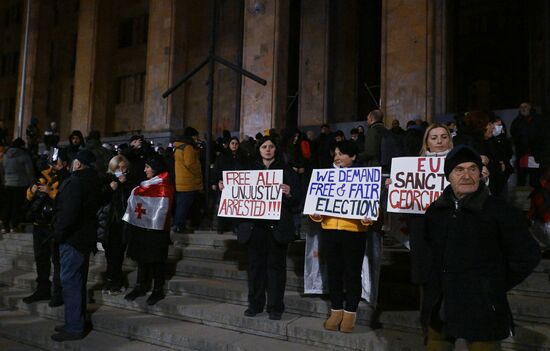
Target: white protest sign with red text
252	194
416	183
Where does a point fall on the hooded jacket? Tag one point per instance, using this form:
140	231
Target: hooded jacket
18	168
187	166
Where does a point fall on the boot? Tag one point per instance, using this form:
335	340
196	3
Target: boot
348	322
57	300
38	295
135	293
156	296
333	322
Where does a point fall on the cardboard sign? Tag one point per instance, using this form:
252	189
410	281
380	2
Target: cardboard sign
416	183
344	192
252	194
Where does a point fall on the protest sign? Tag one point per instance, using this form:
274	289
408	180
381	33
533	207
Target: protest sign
344	192
416	183
252	194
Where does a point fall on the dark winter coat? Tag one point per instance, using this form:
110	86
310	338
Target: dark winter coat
373	143
523	131
77	202
18	168
227	161
112	211
480	248
283	229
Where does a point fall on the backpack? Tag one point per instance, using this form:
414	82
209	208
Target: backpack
392	145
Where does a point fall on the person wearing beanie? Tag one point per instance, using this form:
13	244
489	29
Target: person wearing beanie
75	231
480	248
188	174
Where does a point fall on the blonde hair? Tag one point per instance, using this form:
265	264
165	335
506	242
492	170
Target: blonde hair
115	161
427	132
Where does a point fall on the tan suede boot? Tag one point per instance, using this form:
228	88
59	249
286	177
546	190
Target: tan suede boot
348	322
333	322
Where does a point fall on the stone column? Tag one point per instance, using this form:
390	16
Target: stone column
24	104
410	60
312	101
264	47
161	56
83	100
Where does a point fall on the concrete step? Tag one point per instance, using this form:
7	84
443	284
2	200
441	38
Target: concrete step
211	254
37	332
231	271
215	323
10	345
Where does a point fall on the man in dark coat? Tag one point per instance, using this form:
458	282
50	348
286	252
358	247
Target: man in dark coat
480	248
75	231
373	138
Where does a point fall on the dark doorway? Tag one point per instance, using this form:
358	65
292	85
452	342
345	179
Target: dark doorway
490	45
293	79
354	59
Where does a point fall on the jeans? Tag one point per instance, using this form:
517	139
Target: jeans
184	201
74	274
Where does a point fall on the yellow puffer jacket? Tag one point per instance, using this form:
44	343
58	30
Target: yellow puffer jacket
187	167
335	223
48	177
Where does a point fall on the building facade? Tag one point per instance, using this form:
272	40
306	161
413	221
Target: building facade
104	64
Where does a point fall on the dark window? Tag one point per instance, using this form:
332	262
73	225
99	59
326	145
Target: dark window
133	31
131	89
125	33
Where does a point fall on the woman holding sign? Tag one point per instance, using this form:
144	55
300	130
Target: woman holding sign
437	142
344	242
267	240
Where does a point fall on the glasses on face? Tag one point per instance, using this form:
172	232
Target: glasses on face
461	171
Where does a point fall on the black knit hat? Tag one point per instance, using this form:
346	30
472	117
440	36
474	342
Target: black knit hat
86	157
461	154
190	132
156	162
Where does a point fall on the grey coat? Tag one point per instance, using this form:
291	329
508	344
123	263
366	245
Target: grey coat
18	168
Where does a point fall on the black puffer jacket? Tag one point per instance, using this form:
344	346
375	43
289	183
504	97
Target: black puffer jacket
480	249
283	229
78	200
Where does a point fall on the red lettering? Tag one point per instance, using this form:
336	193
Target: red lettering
421	164
435	168
237	178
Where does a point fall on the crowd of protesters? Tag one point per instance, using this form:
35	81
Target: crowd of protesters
81	194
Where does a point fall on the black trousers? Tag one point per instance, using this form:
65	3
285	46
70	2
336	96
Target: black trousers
146	271
266	271
344	252
114	253
13	203
46	252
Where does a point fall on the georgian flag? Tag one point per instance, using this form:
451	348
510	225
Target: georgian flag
149	203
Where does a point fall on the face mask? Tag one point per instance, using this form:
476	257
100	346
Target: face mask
119	174
497	131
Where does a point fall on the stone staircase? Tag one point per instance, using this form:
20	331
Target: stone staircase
207	295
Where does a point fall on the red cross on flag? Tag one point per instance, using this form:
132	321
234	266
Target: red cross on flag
149	203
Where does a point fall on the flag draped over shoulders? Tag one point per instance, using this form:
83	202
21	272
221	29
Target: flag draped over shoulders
149	203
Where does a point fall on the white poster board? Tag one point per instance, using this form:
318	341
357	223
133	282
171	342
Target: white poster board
416	182
252	194
344	192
